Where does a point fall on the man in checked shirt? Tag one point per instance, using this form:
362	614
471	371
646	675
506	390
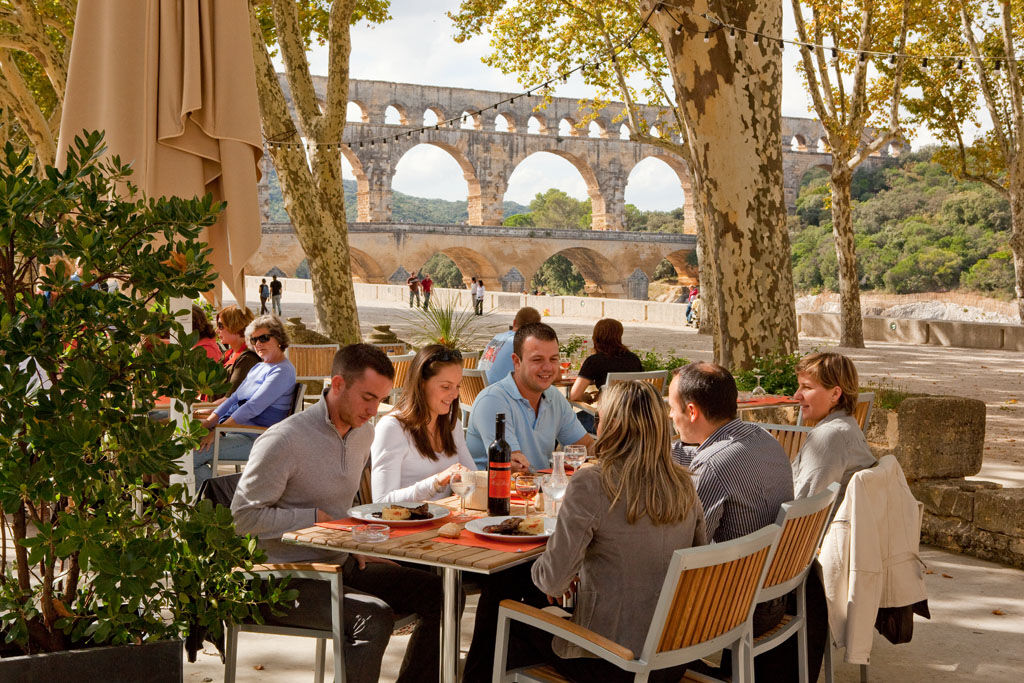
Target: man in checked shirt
741	472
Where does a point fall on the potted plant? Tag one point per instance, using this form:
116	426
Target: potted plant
96	552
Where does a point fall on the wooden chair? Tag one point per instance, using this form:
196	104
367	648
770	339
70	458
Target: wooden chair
792	437
298	393
861	412
402	364
312	361
473	382
803	525
706	604
470	359
656	377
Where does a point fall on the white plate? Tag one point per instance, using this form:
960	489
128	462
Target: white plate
477	527
365	513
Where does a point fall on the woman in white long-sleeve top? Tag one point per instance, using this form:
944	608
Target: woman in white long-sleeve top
836	447
418	446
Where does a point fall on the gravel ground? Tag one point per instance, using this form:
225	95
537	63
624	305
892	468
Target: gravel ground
995	377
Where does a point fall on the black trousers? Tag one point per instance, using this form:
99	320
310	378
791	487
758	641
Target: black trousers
372	598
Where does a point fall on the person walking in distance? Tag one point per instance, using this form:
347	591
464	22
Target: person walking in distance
478	300
426	284
414	289
275	295
264	295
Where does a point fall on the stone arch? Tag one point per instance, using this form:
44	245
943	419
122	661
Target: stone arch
365	268
364	200
685	263
822	146
437	111
600	275
471	263
402	115
598	206
509	119
598	128
567	127
798	143
473	193
362	116
682	172
625	131
470	121
537	125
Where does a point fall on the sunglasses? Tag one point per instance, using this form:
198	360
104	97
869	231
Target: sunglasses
262	339
446	356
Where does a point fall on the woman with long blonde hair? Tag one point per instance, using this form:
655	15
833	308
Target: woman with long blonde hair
619	524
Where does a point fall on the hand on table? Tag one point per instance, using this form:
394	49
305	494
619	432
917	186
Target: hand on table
520	463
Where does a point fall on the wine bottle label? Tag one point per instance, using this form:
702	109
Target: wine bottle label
499	480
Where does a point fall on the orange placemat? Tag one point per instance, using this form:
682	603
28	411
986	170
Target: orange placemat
346	524
468	538
766	401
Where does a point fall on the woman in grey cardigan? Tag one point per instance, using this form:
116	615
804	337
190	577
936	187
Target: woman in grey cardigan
836	447
617	528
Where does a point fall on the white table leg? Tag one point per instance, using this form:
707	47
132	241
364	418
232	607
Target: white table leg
450	636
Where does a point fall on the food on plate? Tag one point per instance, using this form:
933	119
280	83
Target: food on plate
517	526
450	530
399	513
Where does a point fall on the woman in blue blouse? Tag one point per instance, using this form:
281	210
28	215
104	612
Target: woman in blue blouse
263	399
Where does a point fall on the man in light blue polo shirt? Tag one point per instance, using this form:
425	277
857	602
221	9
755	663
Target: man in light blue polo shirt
496	360
536	413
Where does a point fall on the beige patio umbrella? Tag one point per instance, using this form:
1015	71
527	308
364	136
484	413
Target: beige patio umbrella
172	83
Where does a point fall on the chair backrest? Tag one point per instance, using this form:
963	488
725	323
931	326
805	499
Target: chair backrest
312	361
709	593
220	490
298	394
473	382
656	377
803	525
470	359
861	411
792	437
402	364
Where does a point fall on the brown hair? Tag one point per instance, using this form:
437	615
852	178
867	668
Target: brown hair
634	451
412	410
539	331
711	387
608	337
235	319
201	324
525	316
833	370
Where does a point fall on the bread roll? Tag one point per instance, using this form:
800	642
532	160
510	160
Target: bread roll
450	530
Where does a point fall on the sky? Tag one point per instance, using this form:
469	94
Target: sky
416	46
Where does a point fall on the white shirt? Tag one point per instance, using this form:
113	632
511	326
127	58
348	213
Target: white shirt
472	289
480	291
399	472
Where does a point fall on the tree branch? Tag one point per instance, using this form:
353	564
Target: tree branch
988	93
293	52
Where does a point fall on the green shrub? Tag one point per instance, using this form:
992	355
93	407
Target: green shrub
777	370
652	360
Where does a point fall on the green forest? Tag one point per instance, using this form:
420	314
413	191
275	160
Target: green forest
918	230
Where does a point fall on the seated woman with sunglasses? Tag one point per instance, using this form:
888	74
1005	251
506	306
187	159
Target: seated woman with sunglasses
263	399
418	446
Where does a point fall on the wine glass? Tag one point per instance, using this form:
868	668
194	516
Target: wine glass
462	484
758	391
564	363
554	490
527	487
575	456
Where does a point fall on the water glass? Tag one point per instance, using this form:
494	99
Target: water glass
575	456
553	487
462	484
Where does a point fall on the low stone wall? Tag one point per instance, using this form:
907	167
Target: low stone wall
961	334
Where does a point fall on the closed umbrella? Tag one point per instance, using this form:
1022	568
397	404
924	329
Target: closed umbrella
173	85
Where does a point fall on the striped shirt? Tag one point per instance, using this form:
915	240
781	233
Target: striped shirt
742	476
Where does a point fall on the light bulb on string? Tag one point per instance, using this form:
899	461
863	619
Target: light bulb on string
707	36
757	38
998	65
892	59
678	30
863	57
959	67
924	63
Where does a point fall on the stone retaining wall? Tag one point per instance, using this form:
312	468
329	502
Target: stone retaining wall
958	333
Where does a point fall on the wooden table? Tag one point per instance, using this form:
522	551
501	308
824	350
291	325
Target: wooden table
420	548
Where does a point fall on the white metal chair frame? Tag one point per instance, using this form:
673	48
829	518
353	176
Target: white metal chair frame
299	393
322	572
790	513
739	638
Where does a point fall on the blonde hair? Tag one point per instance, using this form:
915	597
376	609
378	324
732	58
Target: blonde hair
833	370
634	449
234	318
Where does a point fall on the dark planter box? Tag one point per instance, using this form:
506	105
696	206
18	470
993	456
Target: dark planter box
157	662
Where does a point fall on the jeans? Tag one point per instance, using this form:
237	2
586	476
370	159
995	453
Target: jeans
414	295
275	301
372	598
478	306
233	447
426	300
263	305
689	311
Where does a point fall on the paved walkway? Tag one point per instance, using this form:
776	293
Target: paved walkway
964	640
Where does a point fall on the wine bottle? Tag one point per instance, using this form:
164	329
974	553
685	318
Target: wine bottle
499	471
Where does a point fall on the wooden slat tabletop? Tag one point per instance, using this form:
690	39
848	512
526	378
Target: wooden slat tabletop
419	547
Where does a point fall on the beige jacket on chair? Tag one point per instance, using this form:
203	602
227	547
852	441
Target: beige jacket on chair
869	558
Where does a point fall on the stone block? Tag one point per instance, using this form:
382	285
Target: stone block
939	436
945	498
504	302
1013	337
820	325
1000	511
582	307
965	334
661	313
624	310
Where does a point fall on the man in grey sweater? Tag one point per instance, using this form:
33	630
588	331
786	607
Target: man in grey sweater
306	469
